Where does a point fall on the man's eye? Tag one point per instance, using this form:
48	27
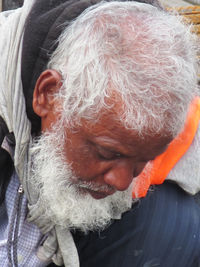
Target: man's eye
109	156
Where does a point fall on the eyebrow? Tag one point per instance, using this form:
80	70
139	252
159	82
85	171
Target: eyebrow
97	142
106	141
107	146
114	151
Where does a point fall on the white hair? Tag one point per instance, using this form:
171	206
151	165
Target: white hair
144	56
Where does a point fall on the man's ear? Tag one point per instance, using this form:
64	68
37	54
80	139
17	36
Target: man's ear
47	84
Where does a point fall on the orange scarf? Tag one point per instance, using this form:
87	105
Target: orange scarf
162	164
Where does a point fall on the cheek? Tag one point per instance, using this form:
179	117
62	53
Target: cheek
78	160
82	161
139	168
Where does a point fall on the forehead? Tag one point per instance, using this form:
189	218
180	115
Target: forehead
109	132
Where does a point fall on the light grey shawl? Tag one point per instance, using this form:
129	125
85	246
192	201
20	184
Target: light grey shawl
59	245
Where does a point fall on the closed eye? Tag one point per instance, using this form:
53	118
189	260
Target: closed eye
109	157
105	154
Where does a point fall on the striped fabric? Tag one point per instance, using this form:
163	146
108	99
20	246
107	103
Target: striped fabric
162	230
29	236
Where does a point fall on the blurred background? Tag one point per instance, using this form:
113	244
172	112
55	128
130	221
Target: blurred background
178	3
11	4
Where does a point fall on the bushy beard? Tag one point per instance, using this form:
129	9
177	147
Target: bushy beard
61	194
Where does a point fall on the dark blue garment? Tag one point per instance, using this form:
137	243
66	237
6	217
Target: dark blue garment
162	230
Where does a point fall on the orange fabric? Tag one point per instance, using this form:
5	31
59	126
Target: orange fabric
162	164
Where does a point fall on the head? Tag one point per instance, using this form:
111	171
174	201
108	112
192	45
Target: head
115	94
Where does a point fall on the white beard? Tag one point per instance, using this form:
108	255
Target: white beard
61	198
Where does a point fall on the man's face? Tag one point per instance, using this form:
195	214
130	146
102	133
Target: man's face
63	197
108	156
86	173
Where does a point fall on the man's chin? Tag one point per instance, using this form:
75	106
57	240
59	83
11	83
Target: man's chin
95	210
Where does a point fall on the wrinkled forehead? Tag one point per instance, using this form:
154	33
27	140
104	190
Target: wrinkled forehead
109	129
110	119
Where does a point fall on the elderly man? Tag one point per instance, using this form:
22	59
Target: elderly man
94	94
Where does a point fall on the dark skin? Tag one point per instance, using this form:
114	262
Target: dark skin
104	153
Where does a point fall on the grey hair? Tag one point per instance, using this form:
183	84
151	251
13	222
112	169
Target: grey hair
143	55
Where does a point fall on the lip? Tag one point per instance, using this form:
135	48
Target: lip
98	194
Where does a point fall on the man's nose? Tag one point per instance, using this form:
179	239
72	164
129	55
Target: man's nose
119	176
